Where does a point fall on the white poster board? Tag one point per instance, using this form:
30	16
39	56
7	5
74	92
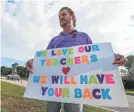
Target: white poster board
80	74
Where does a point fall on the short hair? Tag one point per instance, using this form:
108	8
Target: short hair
71	12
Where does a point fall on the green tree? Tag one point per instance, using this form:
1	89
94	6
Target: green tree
6	70
14	67
21	71
124	72
130	59
131	71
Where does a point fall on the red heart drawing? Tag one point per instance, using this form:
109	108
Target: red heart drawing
65	70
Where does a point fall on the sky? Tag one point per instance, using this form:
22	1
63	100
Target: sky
28	26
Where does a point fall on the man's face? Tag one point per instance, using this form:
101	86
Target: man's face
64	18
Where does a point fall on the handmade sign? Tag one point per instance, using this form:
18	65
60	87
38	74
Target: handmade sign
80	74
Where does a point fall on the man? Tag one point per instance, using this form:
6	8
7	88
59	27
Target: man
68	38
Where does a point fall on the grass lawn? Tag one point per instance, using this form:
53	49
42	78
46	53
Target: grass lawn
12	101
129	92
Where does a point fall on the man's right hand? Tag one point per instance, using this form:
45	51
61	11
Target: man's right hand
29	65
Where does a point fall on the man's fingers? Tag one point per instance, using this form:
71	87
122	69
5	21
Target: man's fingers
120	62
115	62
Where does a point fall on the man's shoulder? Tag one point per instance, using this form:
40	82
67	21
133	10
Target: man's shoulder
86	37
55	37
82	34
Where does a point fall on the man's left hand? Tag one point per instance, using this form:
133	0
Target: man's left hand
120	60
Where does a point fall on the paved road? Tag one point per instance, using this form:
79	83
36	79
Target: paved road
20	83
115	109
125	109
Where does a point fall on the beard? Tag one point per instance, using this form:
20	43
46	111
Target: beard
64	23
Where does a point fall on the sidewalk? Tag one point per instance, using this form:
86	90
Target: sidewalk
20	83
